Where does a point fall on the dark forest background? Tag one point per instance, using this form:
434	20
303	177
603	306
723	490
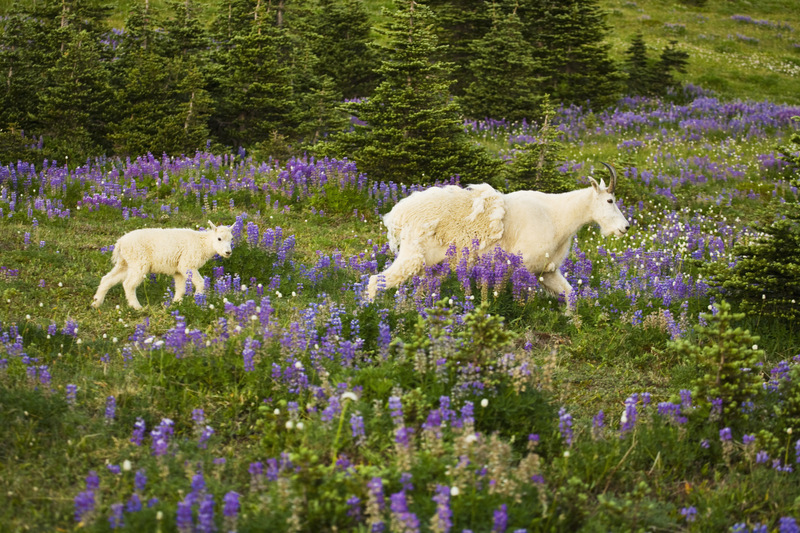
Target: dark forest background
278	78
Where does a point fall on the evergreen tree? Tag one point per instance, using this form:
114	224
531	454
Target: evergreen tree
459	24
341	43
411	130
567	36
766	276
503	72
73	107
727	362
161	102
253	86
535	166
671	60
638	68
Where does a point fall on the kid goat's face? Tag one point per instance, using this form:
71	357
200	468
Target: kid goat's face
222	240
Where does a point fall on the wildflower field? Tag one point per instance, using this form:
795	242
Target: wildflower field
465	400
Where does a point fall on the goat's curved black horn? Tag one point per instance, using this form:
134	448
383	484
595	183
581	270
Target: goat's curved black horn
613	184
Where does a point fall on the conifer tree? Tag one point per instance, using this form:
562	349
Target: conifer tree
503	72
73	106
341	42
411	130
459	24
161	102
766	276
253	86
567	36
670	61
535	166
638	67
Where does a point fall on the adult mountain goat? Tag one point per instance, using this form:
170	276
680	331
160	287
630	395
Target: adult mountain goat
173	251
537	225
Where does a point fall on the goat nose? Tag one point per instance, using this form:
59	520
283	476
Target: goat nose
627	227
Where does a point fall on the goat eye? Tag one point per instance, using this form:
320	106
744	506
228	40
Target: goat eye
610	201
220	238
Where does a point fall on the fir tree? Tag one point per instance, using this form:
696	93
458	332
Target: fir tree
765	279
161	102
459	24
341	42
727	358
73	107
638	68
503	71
535	165
567	36
671	60
411	130
253	87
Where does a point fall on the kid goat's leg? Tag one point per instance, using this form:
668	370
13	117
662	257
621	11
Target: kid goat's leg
116	275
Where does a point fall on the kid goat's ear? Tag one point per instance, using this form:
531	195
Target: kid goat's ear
213	227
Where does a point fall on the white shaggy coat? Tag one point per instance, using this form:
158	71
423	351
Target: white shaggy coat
537	225
173	251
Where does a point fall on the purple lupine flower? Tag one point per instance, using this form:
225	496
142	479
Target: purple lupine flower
402	518
111	408
44	375
202	442
114	469
716	409
797	451
500	522
690	513
84	505
628	420
205	515
72	393
160	436
468	413
115	520
250	347
598	423
686	400
396	410
443	520
230	510
747	440
198	416
354	508
134	504
357	427
375	486
787	524
140	480
565	425
183	517
762	457
138	431
725	434
92	481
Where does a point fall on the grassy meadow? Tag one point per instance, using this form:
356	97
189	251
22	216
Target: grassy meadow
466	399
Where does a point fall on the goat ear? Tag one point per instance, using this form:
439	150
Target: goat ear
213	227
594	184
602	184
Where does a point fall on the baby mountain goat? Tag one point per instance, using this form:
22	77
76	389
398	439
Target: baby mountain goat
537	225
172	251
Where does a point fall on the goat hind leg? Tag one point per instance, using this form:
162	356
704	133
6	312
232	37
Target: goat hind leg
116	275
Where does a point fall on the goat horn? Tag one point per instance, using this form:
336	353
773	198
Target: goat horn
613	184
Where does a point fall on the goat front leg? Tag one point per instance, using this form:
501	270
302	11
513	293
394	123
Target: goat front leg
409	261
556	283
